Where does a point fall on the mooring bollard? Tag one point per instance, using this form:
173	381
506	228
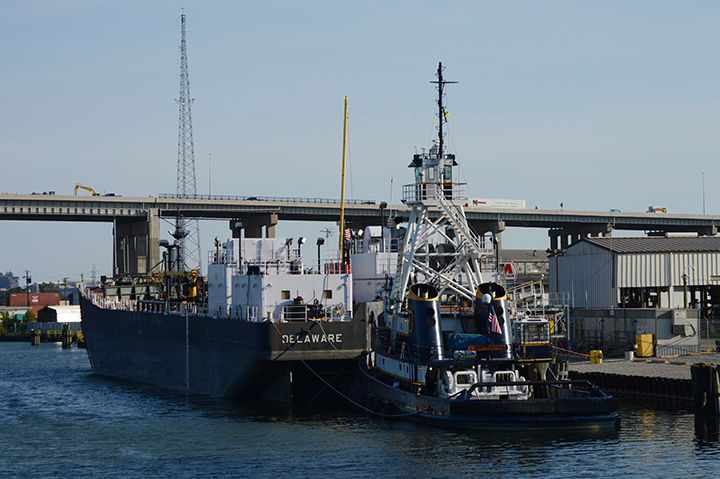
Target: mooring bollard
706	389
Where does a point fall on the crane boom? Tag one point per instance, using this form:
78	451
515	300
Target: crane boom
87	188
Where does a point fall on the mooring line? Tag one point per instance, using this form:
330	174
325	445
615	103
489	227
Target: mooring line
340	393
331	343
569	352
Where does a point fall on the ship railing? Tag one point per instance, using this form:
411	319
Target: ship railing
307	312
388	245
245	313
428	353
186	308
417	192
217	257
278	267
113	303
182	308
220	257
337	312
410	350
332	264
151	306
386	265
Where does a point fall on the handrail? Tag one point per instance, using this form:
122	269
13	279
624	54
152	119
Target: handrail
559	382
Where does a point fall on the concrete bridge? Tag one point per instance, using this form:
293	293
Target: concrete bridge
137	219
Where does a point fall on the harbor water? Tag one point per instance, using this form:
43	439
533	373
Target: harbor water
58	419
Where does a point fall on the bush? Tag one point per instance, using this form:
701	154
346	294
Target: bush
30	316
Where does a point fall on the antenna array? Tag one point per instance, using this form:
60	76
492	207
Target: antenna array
187	232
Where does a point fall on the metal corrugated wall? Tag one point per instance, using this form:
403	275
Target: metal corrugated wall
642	270
586	271
699	267
666	269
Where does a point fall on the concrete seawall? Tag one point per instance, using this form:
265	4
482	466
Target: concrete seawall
668	378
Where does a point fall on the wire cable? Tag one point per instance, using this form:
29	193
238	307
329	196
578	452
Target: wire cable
340	393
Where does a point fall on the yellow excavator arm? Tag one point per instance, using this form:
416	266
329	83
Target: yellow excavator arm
87	188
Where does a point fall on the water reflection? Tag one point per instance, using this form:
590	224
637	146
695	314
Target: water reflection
109	428
707	431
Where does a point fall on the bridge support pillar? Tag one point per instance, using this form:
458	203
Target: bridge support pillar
236	227
253	226
494	227
566	236
136	244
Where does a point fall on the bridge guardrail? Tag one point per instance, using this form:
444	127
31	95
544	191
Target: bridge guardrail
278	199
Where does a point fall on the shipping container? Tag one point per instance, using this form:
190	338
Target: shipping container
36	299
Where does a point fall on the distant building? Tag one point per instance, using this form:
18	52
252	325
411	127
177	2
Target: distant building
524	266
8	281
667	288
654	272
59	314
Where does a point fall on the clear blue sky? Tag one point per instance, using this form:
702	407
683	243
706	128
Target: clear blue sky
598	105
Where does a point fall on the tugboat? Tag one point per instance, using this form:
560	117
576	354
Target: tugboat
443	352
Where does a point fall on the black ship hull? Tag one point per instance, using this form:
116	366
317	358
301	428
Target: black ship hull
594	412
221	357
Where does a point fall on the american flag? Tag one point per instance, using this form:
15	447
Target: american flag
494	324
347	234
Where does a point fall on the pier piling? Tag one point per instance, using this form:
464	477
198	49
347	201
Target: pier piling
35	337
706	389
66	336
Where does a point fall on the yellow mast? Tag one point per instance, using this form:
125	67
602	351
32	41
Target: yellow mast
342	188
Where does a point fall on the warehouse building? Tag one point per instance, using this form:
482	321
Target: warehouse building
667	287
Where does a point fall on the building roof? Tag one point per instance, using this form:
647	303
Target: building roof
657	244
521	255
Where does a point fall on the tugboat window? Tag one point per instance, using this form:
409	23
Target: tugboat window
285	295
327	294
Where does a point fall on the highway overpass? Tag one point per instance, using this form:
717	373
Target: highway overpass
137	219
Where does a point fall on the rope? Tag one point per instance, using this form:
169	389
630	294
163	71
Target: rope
340	393
331	344
571	353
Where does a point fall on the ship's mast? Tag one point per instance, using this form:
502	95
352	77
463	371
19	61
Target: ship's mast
439	248
442	114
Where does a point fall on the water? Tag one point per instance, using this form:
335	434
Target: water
57	419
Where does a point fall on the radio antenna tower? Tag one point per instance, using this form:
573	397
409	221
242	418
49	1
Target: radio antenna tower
187	232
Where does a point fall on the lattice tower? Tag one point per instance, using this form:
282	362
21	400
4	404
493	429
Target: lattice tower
189	243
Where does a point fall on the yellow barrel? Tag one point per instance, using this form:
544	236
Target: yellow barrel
596	356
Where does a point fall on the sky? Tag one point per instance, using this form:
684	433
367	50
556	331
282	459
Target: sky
595	105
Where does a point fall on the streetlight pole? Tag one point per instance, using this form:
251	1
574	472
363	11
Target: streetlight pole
703	178
27	286
383	205
320	242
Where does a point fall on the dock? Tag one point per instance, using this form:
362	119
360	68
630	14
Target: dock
667	378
